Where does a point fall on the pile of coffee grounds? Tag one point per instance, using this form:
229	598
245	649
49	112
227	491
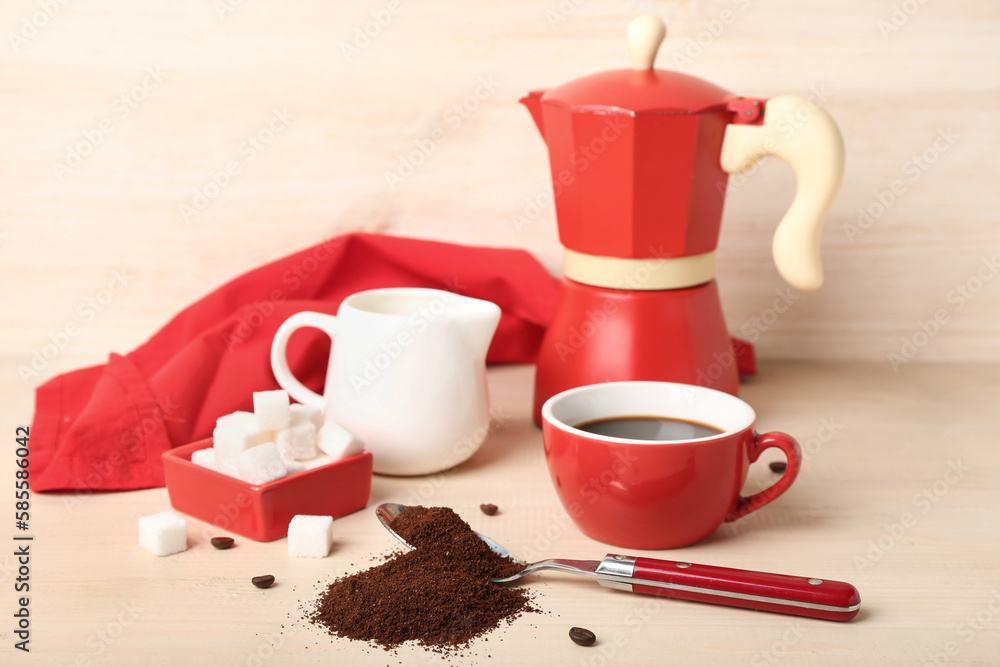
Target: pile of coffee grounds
437	595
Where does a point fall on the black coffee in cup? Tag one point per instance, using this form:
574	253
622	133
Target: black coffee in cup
648	428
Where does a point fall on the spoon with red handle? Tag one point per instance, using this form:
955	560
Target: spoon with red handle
763	591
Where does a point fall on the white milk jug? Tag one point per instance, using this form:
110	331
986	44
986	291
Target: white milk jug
407	374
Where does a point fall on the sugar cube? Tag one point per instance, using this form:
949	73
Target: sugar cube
271	408
238	418
204	458
297	442
292	467
229	469
300	413
261	464
310	536
337	441
316	461
231	440
163	534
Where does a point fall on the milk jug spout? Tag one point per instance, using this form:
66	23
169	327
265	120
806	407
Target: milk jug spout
477	320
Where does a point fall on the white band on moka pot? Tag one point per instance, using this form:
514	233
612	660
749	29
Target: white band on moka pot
639	273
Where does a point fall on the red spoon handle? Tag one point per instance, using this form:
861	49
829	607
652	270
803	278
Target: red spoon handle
801	596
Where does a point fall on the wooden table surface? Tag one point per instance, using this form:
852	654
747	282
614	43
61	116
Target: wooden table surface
882	449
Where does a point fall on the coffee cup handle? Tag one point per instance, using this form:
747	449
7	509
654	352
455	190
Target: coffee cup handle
793	455
279	359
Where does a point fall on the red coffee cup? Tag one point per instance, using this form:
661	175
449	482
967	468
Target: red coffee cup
657	494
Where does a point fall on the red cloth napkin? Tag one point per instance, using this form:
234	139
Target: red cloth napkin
105	427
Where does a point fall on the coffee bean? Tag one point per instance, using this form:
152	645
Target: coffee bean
222	542
778	466
489	509
263	581
582	636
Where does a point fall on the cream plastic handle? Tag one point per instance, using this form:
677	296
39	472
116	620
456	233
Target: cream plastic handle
805	136
279	359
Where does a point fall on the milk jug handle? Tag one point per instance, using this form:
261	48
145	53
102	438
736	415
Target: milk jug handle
805	136
279	359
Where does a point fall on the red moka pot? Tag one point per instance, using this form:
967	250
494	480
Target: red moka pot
640	160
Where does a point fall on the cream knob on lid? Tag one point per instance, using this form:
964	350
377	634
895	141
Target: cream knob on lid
645	34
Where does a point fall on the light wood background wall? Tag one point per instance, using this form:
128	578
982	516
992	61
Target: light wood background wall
897	75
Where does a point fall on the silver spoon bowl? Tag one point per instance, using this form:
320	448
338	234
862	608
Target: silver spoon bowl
387	513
